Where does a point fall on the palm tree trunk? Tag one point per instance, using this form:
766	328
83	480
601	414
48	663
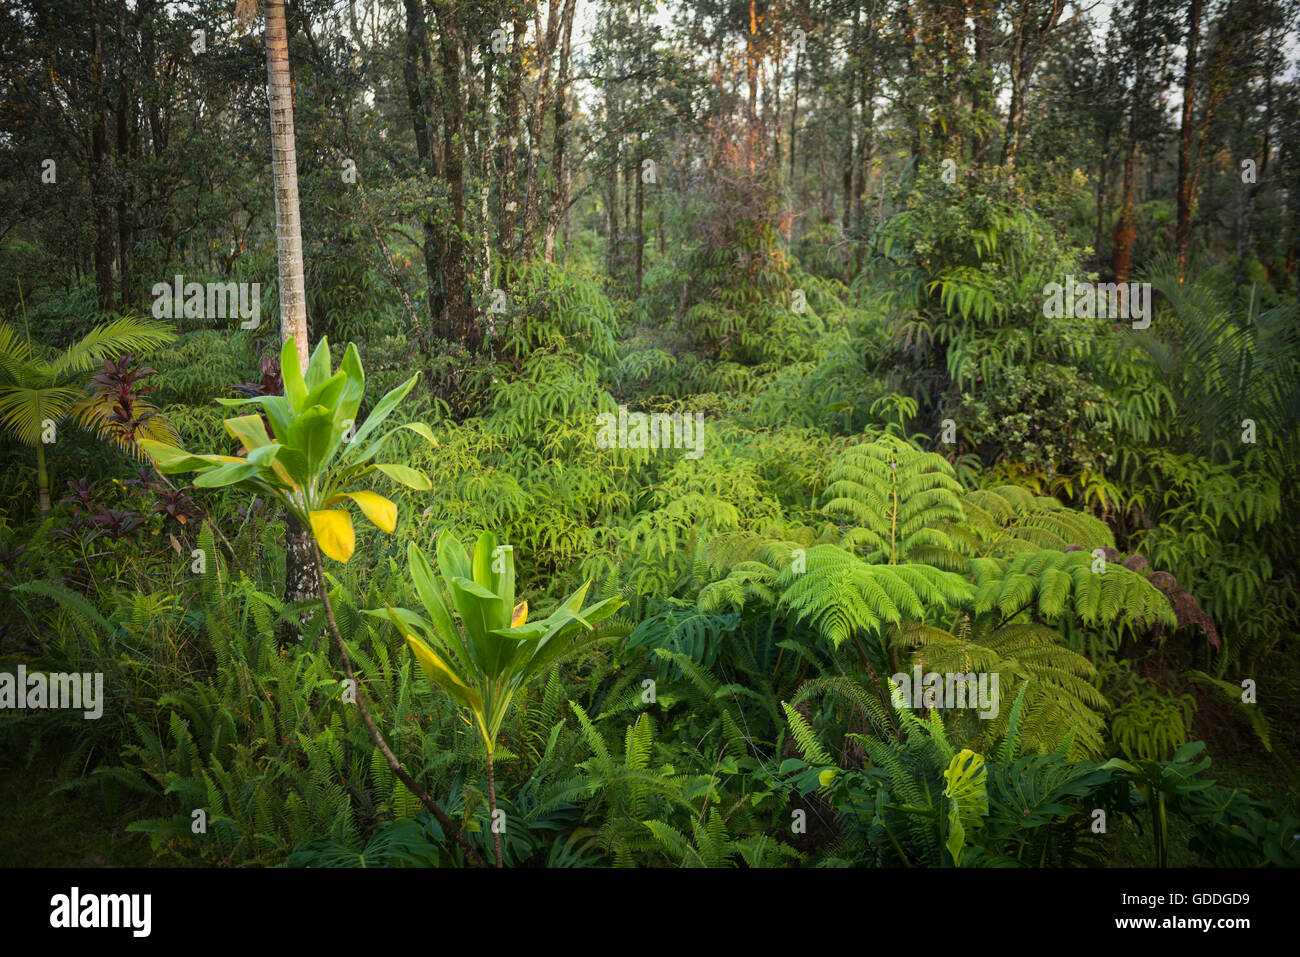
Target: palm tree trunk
284	170
300	558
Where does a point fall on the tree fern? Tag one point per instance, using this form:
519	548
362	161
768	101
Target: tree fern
895	496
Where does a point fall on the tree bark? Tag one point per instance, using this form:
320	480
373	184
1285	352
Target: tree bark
1125	229
1027	47
284	171
510	194
300	558
1184	230
492	806
454	318
532	196
853	68
559	188
98	171
794	109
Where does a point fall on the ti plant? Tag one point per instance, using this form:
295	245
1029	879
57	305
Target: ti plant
312	461
314	458
483	664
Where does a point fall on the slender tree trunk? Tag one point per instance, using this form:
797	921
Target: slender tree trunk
510	194
454	319
284	170
1265	149
853	68
640	208
794	110
42	478
300	556
1125	229
909	100
417	53
545	47
751	66
984	95
559	190
1030	39
492	805
98	170
1184	230
487	120
448	825
1103	175
125	171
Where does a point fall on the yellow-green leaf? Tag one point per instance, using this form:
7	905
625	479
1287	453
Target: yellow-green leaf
438	670
250	430
407	476
381	512
827	776
333	530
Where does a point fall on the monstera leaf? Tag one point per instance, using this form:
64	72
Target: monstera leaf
968	799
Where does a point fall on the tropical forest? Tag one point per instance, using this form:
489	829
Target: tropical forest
651	434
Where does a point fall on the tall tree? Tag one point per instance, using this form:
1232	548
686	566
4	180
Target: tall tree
1183	234
1032	24
300	554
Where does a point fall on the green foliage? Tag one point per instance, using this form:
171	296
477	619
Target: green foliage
1151	726
294	464
894	496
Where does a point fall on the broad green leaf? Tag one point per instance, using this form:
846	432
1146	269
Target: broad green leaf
430	595
275	407
383	408
478	607
318	366
328	392
249	430
483	549
405	475
295	389
405	619
474	588
350	401
422	430
311	434
453	560
268	456
375	447
227	474
171	459
441	672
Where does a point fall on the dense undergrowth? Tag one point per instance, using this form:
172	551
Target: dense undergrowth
914	469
